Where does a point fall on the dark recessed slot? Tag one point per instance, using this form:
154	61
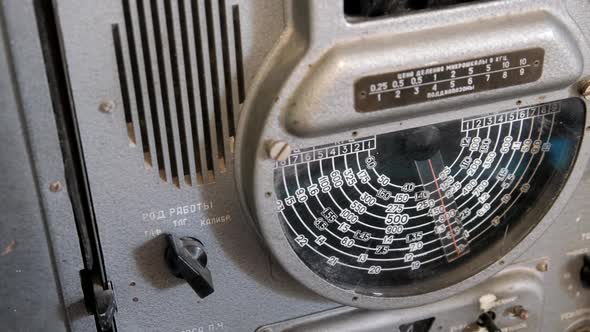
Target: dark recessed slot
192	84
139	101
239	56
151	89
202	84
419	4
123	81
167	99
227	69
215	77
379	8
178	69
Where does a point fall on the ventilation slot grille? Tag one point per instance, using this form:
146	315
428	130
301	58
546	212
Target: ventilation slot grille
181	77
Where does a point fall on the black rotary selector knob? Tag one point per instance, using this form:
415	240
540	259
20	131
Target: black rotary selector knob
187	259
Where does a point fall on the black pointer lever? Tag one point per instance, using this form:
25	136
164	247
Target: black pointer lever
187	259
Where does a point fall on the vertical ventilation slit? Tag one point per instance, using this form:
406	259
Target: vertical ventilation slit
163	89
181	74
137	85
177	93
227	69
123	83
239	58
202	86
190	88
151	89
215	82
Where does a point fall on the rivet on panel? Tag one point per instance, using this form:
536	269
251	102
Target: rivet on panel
519	312
107	106
55	186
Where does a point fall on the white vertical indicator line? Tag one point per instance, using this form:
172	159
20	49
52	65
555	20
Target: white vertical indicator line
445	219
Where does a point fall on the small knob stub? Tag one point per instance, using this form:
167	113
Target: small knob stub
487	320
187	259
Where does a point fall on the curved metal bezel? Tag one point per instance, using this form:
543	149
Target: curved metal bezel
264	119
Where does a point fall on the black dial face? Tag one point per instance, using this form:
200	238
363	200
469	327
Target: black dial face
413	211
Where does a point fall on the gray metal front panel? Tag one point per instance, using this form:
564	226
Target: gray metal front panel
134	203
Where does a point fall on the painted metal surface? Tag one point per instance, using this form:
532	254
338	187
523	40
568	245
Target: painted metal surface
298	63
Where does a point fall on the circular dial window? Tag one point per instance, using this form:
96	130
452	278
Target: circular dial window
414	211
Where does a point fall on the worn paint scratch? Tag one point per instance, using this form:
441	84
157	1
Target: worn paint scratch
9	248
505	235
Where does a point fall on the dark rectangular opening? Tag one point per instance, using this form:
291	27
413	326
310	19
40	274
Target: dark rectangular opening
380	8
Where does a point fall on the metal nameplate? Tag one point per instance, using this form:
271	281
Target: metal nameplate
407	87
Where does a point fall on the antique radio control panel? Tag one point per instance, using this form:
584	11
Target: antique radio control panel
297	165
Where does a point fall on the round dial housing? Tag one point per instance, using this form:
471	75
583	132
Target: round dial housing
414	211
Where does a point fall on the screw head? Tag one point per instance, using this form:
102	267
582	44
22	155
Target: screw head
519	312
524	314
585	89
279	150
543	267
55	186
107	106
